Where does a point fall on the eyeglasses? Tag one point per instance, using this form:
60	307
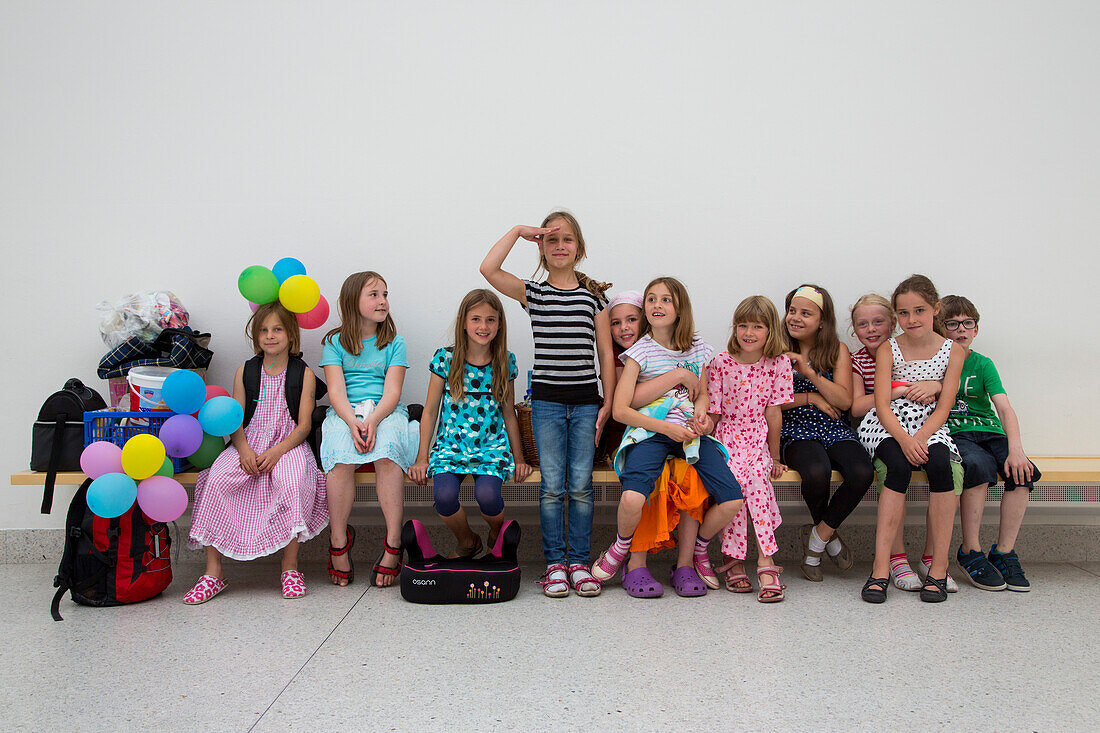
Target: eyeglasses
968	324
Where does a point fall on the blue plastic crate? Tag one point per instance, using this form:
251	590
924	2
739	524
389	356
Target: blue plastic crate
118	427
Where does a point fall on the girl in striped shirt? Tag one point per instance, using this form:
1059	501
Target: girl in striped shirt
570	324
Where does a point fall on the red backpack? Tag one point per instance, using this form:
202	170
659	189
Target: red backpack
109	562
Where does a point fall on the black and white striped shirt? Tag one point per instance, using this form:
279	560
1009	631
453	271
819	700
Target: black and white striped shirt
563	324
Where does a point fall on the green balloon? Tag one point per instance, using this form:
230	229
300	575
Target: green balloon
211	448
258	284
166	469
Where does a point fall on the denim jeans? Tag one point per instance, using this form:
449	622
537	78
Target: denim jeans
565	436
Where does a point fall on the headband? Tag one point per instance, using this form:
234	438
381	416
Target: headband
811	294
627	297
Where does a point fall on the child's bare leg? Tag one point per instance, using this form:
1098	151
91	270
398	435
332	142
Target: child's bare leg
718	516
629	513
972	503
214	563
891	507
290	555
898	548
824	531
686	532
1013	506
495	523
941	511
460	525
340	486
637	560
390	485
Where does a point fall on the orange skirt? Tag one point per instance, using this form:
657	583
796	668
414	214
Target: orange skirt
678	489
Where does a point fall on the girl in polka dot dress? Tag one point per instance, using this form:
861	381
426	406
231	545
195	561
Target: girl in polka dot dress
746	386
471	385
905	433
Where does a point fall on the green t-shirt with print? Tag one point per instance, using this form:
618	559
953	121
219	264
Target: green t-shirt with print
973	409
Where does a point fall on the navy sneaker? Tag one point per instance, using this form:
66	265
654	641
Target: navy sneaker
981	571
1009	566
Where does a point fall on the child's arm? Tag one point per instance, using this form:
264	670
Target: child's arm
511	426
627	415
701	419
951	386
1018	466
505	282
338	398
391	395
608	373
861	401
925	392
773	414
247	455
267	460
648	391
418	472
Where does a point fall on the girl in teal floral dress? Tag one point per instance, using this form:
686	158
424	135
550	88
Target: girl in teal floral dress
471	393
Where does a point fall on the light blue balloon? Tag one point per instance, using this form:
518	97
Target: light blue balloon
286	267
221	416
111	495
183	391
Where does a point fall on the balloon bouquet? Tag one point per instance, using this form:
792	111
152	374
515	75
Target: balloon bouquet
286	281
141	469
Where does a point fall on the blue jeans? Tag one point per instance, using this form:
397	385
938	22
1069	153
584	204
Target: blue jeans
565	436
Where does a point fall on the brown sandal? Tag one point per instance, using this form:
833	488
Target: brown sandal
380	569
334	573
775	588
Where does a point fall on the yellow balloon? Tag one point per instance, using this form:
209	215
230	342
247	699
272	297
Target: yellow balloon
299	294
142	456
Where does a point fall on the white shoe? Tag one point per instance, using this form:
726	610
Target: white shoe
922	571
907	581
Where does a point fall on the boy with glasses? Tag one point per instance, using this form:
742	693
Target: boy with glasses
988	438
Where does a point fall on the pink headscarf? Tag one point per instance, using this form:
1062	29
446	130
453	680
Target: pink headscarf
627	297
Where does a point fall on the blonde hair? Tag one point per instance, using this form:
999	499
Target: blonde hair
922	286
498	348
597	288
350	330
758	309
684	333
826	349
289	321
870	299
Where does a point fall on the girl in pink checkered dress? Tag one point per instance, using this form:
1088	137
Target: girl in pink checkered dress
264	493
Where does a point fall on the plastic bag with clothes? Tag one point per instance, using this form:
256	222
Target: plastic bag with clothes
143	315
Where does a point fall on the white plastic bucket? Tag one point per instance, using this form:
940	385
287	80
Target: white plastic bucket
145	385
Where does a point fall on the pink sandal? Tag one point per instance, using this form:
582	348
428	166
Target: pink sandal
706	572
774	587
294	584
207	587
732	578
580	578
555	587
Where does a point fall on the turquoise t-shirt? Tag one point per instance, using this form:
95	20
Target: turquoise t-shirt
365	374
973	410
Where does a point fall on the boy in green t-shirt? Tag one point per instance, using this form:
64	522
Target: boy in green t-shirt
987	434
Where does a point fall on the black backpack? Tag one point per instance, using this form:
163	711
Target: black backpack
57	439
109	562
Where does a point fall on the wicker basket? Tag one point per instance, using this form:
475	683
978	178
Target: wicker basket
527	435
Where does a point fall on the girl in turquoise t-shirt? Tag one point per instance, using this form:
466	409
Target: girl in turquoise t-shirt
478	434
364	361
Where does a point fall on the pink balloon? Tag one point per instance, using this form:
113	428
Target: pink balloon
163	499
101	457
253	306
316	317
213	390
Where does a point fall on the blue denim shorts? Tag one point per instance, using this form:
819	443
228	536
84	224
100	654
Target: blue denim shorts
984	455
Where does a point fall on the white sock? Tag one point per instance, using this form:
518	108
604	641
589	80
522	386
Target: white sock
833	547
816	545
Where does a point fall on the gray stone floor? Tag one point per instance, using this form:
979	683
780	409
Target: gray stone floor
362	658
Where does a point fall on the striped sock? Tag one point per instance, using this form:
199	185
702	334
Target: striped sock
701	548
899	565
619	549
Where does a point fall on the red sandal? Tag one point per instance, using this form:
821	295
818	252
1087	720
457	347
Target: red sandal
334	573
380	569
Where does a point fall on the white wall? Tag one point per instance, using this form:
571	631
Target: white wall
743	148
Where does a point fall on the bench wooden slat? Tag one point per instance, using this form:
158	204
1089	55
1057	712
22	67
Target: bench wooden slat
1056	470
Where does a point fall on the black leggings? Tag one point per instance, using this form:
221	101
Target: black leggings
899	470
815	465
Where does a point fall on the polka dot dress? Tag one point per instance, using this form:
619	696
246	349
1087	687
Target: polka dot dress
911	415
806	422
471	438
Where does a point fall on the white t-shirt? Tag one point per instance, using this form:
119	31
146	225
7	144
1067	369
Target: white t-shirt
655	360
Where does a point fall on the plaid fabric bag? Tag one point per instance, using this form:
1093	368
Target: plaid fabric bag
181	348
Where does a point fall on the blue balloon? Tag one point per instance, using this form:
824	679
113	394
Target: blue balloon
221	416
183	392
111	495
286	267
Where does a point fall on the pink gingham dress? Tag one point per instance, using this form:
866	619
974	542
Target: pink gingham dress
245	517
739	393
